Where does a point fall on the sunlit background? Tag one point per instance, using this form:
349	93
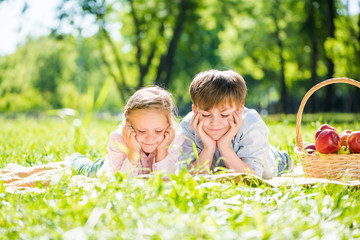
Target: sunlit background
62	54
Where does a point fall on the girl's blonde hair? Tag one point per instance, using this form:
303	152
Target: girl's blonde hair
152	98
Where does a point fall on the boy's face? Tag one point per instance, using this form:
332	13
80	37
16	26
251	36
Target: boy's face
216	123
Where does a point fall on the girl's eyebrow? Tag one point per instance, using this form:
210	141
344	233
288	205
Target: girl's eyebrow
144	129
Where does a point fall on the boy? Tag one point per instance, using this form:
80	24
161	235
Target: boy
225	133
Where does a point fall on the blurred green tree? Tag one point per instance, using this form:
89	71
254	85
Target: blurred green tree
44	73
150	32
281	47
344	51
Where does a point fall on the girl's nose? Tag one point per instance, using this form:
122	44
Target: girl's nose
150	136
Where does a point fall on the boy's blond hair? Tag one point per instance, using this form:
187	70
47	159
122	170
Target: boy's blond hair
152	98
213	88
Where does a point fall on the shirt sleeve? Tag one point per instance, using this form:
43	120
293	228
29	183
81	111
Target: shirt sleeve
189	150
117	152
169	163
129	168
254	147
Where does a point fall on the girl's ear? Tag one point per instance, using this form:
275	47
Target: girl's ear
193	108
127	123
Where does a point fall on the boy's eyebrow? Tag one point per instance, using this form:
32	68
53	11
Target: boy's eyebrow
201	110
227	109
220	109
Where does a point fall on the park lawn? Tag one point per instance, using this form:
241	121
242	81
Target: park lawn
182	208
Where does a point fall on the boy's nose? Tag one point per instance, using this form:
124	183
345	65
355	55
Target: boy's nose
214	120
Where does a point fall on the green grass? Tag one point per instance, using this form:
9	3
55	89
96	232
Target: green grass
182	208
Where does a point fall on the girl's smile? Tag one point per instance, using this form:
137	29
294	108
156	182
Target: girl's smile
149	126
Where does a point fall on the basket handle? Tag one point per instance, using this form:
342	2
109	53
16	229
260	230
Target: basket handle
298	139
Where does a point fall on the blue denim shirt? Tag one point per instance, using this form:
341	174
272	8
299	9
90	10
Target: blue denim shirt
250	143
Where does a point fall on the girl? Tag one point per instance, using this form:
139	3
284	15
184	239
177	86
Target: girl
145	142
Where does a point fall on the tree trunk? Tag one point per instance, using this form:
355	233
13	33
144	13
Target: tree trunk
314	56
167	60
283	104
357	90
119	78
330	97
314	76
283	90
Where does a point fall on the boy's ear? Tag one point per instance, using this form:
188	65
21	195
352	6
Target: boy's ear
241	109
193	108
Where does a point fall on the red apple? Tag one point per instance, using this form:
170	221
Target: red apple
354	142
344	137
324	127
310	148
328	141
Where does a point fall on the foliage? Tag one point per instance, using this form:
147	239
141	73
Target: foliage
181	208
45	73
149	33
282	48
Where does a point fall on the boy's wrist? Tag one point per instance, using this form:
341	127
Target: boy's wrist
225	149
209	150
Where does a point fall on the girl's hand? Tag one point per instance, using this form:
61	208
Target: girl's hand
162	148
235	123
197	125
168	138
133	145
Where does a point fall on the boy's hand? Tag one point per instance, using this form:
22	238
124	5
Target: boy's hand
197	124
133	145
162	148
235	124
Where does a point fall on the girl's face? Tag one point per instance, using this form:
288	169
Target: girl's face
149	126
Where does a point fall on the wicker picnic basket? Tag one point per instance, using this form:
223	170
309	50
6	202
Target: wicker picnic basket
332	166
